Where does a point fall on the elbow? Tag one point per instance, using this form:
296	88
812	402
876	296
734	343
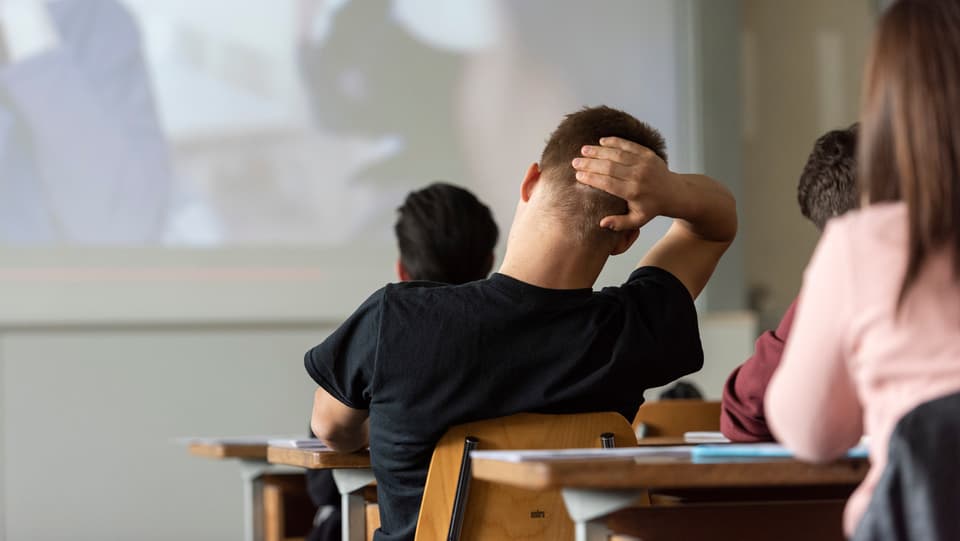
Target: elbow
817	448
733	224
727	228
808	437
337	438
321	430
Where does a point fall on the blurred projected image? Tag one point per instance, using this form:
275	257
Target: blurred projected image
82	156
220	122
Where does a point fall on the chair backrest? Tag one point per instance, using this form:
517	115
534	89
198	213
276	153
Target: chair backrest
675	417
916	497
495	512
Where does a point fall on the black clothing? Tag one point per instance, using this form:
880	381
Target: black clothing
422	357
917	494
325	496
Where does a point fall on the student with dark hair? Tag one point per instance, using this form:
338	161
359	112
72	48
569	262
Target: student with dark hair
446	235
419	357
827	188
877	329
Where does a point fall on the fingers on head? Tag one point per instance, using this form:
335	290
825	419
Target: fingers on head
638	152
597	180
601	166
609	153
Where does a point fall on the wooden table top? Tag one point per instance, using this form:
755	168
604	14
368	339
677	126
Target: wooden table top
667	472
223	450
318	460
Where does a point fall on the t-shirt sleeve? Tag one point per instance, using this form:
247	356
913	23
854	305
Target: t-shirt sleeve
344	363
741	408
659	303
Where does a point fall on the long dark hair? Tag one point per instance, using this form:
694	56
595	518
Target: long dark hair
910	139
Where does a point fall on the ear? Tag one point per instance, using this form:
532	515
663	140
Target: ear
529	181
625	240
402	273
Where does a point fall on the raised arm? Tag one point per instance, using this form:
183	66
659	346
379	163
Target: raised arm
704	211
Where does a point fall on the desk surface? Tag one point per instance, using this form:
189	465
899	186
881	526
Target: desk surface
318	460
297	457
246	451
667	472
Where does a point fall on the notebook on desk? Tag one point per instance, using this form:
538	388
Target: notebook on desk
574	454
292	443
757	450
228	440
705	437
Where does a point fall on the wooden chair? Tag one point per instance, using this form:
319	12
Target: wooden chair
495	512
675	417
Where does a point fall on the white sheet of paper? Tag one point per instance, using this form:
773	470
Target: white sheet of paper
291	443
574	454
705	437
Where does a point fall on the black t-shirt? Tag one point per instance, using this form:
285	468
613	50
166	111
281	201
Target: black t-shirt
423	356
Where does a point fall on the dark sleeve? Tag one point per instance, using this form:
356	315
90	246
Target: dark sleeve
345	362
741	408
662	305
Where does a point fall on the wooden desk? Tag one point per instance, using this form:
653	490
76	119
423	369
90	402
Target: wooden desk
221	450
595	489
351	472
313	459
665	473
251	453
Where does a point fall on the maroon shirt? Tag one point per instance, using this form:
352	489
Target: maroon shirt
741	410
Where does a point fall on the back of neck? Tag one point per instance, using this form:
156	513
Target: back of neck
550	262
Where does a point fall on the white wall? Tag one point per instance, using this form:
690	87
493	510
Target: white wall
802	65
90	415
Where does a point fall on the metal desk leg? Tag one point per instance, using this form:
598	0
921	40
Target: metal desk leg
251	472
349	483
587	508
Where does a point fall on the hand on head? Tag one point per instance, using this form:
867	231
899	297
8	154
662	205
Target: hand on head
633	173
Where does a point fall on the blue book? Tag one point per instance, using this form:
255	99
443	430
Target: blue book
757	450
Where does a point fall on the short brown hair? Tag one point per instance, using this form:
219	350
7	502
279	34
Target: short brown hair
828	184
909	148
581	205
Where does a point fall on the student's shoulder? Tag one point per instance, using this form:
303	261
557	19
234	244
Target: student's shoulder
649	280
869	240
879	221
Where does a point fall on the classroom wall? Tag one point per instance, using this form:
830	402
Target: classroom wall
802	65
105	361
91	415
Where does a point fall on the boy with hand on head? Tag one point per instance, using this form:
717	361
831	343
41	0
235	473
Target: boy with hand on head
827	188
417	358
446	235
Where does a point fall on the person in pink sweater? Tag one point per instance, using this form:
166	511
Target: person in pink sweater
877	328
827	188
